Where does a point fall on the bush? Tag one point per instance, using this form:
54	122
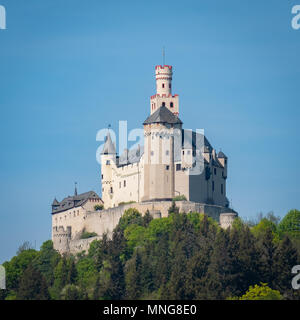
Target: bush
290	224
180	198
126	202
86	235
98	207
262	292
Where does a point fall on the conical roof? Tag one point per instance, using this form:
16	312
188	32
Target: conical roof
109	147
162	115
221	155
55	202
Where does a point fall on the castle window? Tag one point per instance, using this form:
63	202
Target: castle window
178	167
222	188
167	167
170	85
213	186
171	105
124	183
163	85
215	171
163	104
167	152
111	190
107	162
183	152
101	176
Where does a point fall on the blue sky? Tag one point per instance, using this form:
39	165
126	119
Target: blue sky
69	68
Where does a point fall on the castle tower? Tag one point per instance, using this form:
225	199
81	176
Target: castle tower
160	131
163	96
108	159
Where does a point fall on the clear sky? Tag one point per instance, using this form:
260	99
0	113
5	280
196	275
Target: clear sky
69	68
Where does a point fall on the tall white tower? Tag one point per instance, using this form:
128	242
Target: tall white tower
163	96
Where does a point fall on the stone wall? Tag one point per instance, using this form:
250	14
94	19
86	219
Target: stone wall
105	221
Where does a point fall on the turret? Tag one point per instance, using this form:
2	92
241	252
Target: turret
223	160
163	96
108	159
159	176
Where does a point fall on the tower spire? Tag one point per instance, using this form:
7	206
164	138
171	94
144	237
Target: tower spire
75	193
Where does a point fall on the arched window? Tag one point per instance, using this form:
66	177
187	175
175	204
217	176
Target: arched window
163	104
171	105
163	85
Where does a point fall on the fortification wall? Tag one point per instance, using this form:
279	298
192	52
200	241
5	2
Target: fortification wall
81	244
105	221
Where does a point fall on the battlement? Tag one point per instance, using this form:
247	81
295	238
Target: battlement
164	67
62	232
164	96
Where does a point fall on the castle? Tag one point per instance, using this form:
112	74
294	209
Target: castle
172	163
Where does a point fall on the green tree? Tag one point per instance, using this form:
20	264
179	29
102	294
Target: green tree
262	292
33	285
130	216
290	224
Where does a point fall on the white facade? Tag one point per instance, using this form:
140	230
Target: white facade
173	161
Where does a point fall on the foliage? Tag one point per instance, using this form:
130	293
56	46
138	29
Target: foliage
181	197
262	292
182	256
98	207
290	224
125	202
86	235
32	286
130	216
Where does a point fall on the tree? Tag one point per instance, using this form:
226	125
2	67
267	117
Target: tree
71	292
147	218
290	224
130	216
15	268
285	257
46	261
33	285
26	245
262	292
173	208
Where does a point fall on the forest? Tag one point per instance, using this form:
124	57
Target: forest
185	256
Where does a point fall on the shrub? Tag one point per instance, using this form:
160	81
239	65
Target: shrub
179	198
98	207
86	235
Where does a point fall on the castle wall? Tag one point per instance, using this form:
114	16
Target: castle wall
105	221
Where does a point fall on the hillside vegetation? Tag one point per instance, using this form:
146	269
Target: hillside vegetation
183	256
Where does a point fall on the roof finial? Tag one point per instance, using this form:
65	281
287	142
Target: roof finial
164	55
75	193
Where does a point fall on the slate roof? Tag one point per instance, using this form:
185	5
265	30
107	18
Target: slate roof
109	146
73	201
195	140
221	155
162	115
131	156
